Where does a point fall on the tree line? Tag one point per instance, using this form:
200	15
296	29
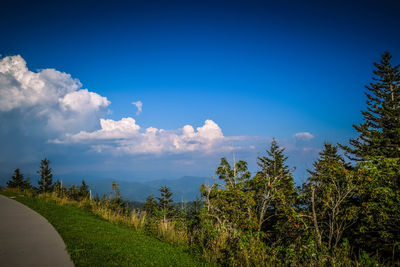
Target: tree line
46	184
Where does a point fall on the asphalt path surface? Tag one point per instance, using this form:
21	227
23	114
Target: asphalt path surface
28	239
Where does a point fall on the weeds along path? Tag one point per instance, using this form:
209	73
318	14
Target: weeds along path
92	241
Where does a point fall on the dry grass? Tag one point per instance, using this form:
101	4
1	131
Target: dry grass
168	230
171	232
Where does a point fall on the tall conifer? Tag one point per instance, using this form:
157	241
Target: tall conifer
274	165
165	202
46	177
17	181
379	134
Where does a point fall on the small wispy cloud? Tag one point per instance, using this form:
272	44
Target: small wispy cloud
139	106
303	136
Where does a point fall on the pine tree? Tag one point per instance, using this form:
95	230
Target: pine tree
329	155
83	190
150	205
117	201
17	181
274	165
379	134
330	192
165	202
46	177
378	225
274	194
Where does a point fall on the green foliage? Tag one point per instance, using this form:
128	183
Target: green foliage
165	207
275	163
231	203
17	181
231	177
60	190
73	192
379	134
379	201
83	190
115	201
332	188
245	215
46	177
275	196
150	206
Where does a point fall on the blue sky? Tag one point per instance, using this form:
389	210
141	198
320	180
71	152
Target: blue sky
257	69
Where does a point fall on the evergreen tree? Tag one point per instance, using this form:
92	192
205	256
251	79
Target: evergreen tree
83	190
331	190
274	165
274	194
379	134
378	225
165	202
329	155
46	177
150	205
17	181
117	202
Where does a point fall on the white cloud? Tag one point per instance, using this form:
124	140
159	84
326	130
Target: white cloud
51	95
303	136
110	129
40	110
139	106
83	101
54	106
124	136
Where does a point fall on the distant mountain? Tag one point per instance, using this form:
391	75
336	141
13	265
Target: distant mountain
186	188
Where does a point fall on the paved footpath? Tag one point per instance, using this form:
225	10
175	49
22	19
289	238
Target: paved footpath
28	239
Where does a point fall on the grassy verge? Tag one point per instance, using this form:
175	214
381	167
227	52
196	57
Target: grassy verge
92	241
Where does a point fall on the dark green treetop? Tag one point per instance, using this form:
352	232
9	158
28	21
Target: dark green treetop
329	155
46	177
17	181
165	202
84	190
379	134
150	205
274	165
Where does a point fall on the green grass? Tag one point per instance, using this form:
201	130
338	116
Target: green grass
92	241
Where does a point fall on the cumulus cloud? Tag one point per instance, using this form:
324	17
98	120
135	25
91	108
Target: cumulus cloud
53	106
303	136
125	136
50	95
110	129
139	106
